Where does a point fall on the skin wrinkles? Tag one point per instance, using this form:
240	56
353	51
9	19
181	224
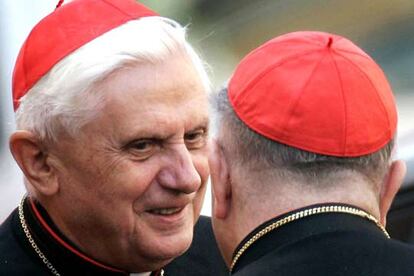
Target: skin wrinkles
117	181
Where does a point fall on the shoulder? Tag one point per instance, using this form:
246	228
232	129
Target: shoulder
203	233
340	253
8	240
14	257
362	253
203	223
203	256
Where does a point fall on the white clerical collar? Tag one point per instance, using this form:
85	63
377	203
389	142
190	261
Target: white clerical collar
140	274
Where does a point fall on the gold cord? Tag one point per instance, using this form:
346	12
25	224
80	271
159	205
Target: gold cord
34	245
302	214
32	242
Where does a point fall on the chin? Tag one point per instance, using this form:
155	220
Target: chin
164	248
159	255
177	245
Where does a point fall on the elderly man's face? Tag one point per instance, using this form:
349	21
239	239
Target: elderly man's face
132	185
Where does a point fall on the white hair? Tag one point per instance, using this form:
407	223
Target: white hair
64	99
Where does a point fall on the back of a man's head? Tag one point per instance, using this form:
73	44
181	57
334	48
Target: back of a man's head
306	118
260	157
308	107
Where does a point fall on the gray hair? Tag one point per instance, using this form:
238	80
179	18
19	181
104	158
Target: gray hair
259	155
65	98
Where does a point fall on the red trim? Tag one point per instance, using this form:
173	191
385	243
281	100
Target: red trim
66	245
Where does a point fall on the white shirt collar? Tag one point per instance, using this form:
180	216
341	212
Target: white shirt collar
140	274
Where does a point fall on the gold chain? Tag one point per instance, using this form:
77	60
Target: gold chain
32	242
302	214
34	245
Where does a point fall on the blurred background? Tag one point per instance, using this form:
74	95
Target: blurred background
223	32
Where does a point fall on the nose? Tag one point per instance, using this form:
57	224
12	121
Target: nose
180	174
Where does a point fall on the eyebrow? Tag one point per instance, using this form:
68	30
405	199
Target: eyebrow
150	134
204	123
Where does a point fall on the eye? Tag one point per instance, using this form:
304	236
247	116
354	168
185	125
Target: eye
143	149
142	145
195	139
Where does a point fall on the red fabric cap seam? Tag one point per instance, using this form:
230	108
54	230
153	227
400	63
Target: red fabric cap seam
345	128
378	98
337	50
254	81
292	110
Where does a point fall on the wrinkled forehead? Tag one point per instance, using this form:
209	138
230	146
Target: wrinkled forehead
173	79
154	95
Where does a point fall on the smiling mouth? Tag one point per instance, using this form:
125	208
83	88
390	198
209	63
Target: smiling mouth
165	211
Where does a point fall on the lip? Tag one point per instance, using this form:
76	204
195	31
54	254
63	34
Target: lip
165	211
168	221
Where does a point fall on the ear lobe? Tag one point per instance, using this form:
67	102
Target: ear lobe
390	187
221	186
33	161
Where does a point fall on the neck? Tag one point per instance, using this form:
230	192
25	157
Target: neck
252	209
320	218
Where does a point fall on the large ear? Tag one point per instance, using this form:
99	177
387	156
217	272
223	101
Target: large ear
221	186
390	187
32	159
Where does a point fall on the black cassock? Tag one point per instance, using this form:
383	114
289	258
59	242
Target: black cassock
327	244
18	257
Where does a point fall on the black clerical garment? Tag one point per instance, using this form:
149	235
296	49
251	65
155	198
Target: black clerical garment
327	244
18	257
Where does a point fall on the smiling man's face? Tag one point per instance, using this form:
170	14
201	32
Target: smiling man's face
132	184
